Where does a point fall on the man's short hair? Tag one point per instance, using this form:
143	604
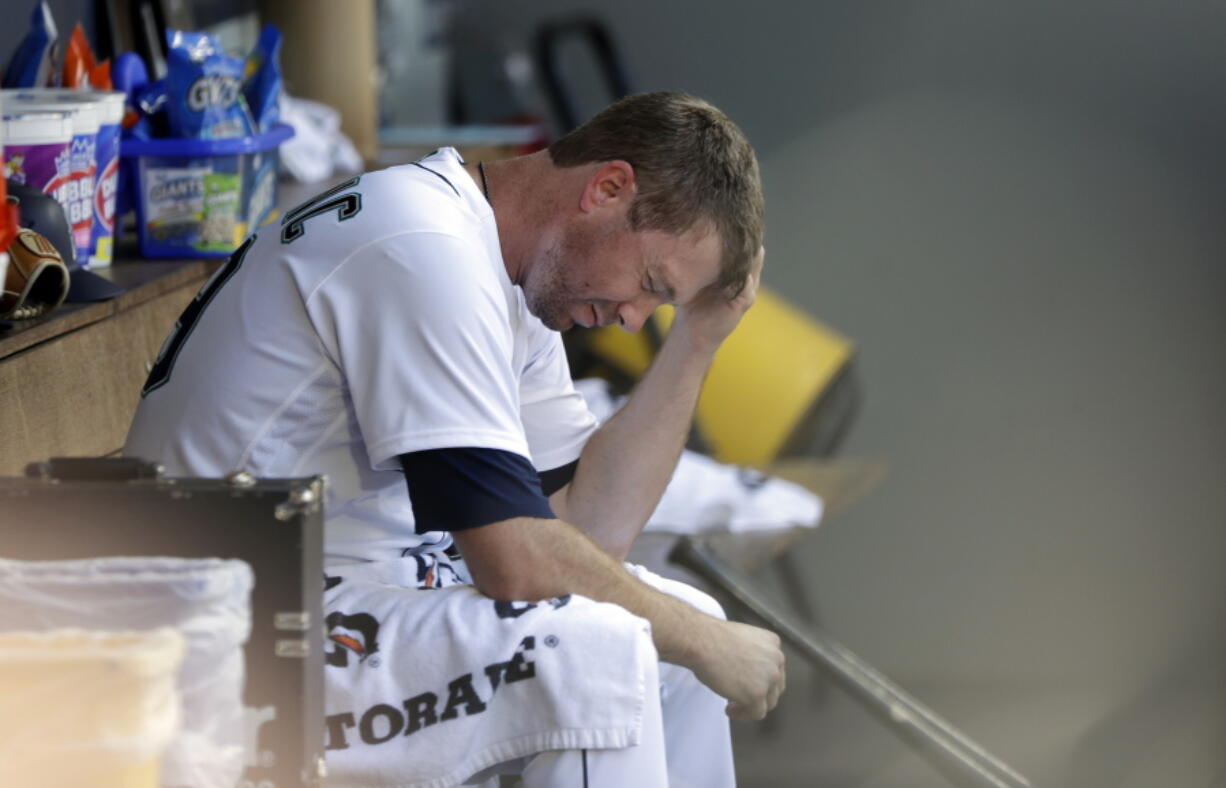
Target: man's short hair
692	165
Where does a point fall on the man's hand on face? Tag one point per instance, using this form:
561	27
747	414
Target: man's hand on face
708	319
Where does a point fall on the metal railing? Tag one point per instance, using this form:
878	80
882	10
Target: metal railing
903	713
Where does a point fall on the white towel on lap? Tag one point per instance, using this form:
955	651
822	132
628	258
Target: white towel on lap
426	687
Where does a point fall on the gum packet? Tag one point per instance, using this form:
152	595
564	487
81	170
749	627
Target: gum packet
204	89
78	60
33	64
262	79
81	69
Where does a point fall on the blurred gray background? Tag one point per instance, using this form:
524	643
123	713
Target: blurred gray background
1016	212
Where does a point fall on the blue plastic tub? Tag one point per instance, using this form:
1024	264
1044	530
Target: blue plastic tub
201	198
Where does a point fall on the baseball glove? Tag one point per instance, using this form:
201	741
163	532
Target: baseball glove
37	279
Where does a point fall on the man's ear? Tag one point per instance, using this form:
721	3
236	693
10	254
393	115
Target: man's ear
611	185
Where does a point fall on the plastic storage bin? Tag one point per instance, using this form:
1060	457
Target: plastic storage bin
87	708
206	600
201	198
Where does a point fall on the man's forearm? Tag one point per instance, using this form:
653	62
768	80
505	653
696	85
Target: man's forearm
529	559
552	558
628	462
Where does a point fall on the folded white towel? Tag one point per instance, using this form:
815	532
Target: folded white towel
705	496
426	687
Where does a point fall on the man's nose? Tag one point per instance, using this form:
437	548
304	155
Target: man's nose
633	314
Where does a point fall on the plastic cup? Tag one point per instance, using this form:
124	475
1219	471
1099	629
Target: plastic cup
76	195
37	149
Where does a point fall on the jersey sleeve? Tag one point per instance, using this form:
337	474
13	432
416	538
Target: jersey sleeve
457	489
556	418
418	325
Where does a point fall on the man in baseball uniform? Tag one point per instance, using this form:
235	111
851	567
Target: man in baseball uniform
399	334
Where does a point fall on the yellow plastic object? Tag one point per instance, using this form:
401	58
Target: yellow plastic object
766	377
84	708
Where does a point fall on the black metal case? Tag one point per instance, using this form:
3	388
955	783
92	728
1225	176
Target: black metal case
87	509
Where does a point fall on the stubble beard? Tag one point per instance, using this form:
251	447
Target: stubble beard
545	288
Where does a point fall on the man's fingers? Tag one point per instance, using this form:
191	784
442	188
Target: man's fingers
756	265
776	693
752	713
754	278
781	679
749	671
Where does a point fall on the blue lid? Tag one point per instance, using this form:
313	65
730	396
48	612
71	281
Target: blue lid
279	133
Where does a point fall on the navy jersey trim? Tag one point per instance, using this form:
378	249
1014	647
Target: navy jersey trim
557	478
438	175
459	488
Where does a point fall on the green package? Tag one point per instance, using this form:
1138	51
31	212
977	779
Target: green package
220	225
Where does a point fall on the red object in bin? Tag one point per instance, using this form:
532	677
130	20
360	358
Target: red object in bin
8	218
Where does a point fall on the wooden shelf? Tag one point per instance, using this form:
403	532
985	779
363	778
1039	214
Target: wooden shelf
142	280
71	380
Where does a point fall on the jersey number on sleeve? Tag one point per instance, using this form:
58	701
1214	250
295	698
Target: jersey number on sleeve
346	206
160	373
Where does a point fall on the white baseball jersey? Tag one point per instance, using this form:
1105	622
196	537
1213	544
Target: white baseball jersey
376	320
